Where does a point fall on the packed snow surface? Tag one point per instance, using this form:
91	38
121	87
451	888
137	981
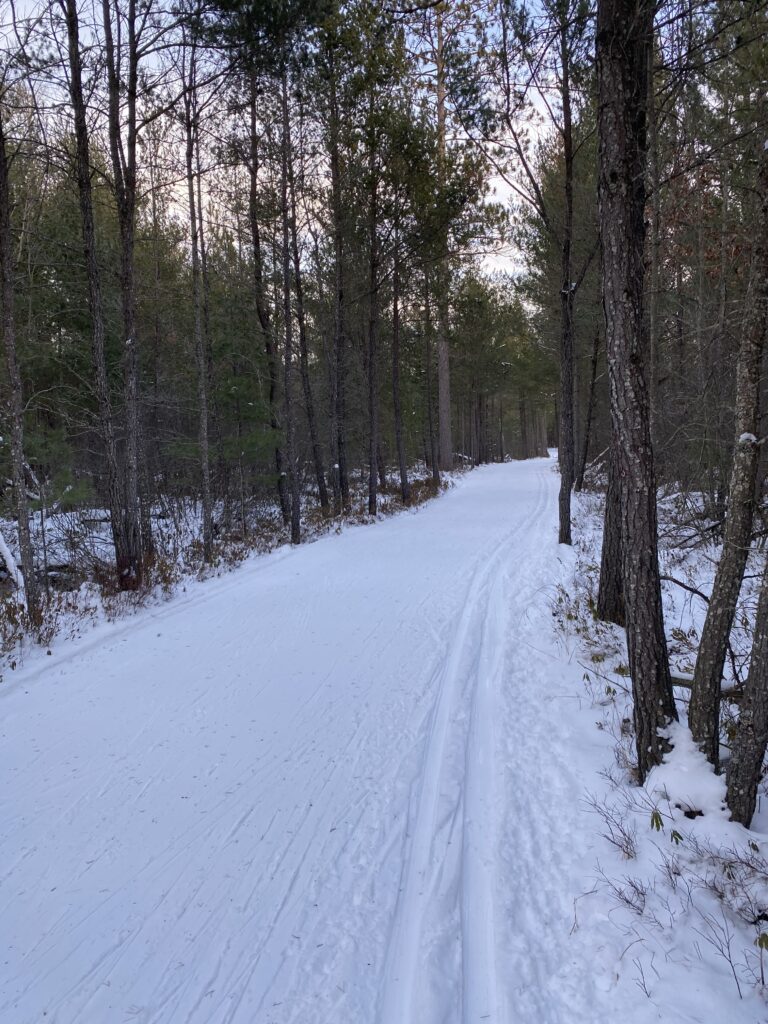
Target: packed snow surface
342	785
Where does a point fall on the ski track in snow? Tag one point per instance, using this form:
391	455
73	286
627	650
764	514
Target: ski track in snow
329	790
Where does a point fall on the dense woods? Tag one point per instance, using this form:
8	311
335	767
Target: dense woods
280	259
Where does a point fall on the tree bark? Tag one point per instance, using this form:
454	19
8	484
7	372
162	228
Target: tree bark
443	352
624	33
339	341
567	289
123	159
704	711
610	595
290	425
405	487
309	404
582	467
201	361
373	311
748	748
262	308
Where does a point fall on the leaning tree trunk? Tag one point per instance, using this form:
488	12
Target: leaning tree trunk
16	399
704	712
624	33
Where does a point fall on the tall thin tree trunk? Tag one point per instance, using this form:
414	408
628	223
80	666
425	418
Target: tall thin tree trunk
339	340
123	159
566	431
290	425
31	593
704	711
624	33
433	448
262	308
201	361
443	352
373	311
405	487
115	494
309	405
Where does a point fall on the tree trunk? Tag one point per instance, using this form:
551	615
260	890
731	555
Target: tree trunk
339	341
123	552
704	711
201	361
567	286
610	595
579	483
405	487
748	748
373	311
290	426
123	158
433	449
624	33
443	353
262	308
31	593
309	404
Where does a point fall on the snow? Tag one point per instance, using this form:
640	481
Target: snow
747	439
7	559
345	784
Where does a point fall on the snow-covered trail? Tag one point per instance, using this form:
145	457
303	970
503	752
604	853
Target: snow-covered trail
326	789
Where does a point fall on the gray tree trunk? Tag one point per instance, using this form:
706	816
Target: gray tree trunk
124	81
624	33
704	712
290	423
748	748
262	308
566	456
443	353
201	361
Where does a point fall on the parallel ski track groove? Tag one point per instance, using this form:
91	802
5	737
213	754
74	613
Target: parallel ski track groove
397	997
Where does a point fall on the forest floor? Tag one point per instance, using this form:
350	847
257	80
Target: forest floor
349	783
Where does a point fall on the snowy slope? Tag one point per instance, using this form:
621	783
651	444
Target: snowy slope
334	787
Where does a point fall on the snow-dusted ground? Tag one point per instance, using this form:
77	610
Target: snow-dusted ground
342	785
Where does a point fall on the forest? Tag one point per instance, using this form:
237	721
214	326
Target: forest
282	256
273	268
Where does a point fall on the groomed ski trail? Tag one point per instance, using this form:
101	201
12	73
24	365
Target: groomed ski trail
328	789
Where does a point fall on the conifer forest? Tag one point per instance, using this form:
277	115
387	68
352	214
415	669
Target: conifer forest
383	473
